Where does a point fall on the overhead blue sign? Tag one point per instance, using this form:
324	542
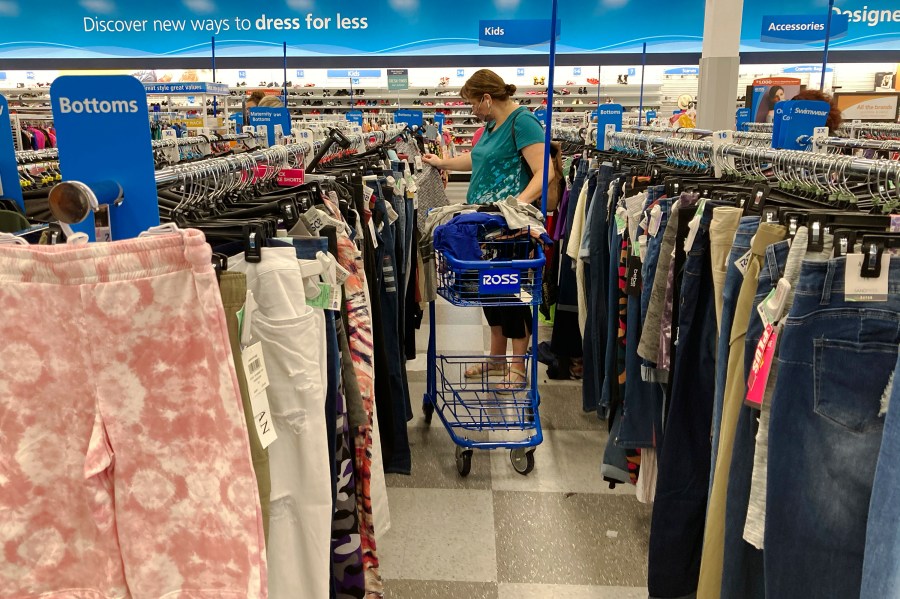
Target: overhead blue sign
520	72
576	72
271	117
9	171
30	75
242	74
460	72
515	33
2	75
802	29
683	71
213	89
807	68
607	114
111	111
300	74
354	73
651	116
355	116
632	71
410	117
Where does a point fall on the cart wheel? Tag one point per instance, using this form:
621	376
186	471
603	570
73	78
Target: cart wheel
522	460
428	410
463	461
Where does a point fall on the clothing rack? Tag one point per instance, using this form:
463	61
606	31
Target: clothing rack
828	170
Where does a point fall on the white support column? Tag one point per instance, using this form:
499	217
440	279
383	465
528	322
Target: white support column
719	64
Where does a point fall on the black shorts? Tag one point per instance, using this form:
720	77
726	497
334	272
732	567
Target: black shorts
515	320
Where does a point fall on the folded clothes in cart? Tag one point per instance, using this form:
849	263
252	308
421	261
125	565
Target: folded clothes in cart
465	235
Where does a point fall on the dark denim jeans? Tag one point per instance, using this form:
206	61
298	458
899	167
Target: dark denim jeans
642	410
596	325
610	274
743	574
566	339
836	359
679	513
400	461
881	567
648	369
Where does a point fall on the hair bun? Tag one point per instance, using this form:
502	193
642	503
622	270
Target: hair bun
511	89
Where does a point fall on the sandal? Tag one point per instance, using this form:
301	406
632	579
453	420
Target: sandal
516	380
477	371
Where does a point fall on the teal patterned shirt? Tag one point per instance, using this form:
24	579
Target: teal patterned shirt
497	168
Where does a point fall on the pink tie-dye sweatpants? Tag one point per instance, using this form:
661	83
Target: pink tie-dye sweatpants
125	467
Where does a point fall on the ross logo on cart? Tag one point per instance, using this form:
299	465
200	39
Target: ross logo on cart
500	282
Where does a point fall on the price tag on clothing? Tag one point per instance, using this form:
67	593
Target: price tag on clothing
859	289
642	246
621	220
329	298
633	281
391	214
255	369
371	224
419	164
694	226
762	366
743	262
771	309
314	220
341	273
655	221
367	193
262	419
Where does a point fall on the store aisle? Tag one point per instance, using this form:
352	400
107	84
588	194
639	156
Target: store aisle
557	533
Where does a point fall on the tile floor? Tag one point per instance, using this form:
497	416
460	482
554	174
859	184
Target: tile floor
559	533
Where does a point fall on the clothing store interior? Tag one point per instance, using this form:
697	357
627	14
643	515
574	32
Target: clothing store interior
495	299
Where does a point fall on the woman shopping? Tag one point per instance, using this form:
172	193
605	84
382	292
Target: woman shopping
512	145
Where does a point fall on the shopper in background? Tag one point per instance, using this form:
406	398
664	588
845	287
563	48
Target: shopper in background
270	102
511	133
834	119
255	98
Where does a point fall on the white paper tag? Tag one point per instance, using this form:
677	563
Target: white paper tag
859	289
655	221
372	231
693	229
419	164
391	214
743	262
247	318
255	369
262	418
642	246
341	273
368	193
314	220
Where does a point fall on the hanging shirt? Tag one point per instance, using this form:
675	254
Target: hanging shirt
497	169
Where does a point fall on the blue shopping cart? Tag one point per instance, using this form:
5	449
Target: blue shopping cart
477	411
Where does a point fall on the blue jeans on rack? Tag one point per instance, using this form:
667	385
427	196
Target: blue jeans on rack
743	574
881	566
733	279
651	261
400	461
608	352
836	358
642	411
566	339
679	513
595	325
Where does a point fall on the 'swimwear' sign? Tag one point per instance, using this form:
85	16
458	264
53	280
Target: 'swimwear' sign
795	122
802	29
9	168
515	33
111	111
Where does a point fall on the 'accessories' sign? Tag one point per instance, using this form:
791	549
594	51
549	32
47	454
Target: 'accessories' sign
802	29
